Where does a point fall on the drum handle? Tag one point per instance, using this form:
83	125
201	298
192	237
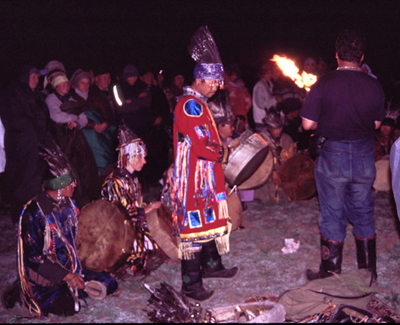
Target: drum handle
234	189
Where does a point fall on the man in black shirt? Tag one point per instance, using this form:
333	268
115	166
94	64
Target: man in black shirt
345	107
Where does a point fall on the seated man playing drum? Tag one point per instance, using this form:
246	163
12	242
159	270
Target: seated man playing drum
282	147
50	275
122	185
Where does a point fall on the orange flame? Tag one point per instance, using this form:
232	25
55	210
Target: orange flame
289	69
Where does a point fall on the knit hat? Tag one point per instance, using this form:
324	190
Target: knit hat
130	71
53	69
57	80
53	66
78	75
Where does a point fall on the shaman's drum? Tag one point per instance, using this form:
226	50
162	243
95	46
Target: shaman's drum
297	178
105	236
250	151
159	222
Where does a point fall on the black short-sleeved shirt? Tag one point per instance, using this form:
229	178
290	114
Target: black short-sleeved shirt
345	104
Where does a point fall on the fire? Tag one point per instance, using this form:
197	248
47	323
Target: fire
289	69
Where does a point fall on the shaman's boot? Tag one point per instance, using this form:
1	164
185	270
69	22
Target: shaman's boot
331	259
211	263
366	254
192	284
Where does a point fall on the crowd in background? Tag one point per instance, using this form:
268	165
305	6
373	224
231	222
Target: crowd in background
82	110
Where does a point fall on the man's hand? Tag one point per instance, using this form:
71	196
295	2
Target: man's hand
150	207
100	127
276	178
308	124
75	281
72	124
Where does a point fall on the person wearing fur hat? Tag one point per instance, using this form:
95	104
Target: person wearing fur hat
200	216
51	279
282	147
122	185
68	117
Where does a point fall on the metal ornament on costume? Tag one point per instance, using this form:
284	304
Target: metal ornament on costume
130	146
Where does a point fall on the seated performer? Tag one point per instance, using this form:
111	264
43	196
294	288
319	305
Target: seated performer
122	185
282	147
50	275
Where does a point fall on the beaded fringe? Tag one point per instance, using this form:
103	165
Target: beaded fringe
223	212
222	242
186	250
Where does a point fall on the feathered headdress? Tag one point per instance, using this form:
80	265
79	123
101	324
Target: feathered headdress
170	306
274	119
204	51
58	173
220	107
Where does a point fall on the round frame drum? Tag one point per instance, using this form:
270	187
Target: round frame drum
261	175
297	177
159	222
248	155
105	236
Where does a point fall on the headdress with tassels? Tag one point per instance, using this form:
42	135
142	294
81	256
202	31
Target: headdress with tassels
59	173
130	145
204	51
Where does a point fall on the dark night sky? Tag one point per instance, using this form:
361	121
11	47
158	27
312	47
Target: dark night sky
112	33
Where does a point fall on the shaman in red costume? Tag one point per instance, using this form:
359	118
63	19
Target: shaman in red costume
200	204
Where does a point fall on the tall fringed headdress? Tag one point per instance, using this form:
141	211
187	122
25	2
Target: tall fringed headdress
59	172
130	145
204	51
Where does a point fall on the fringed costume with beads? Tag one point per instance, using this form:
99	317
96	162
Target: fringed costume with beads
200	207
123	187
46	251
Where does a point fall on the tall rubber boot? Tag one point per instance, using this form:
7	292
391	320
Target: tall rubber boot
331	259
192	284
211	263
366	254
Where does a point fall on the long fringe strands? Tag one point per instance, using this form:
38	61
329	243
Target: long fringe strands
181	172
223	212
26	289
222	242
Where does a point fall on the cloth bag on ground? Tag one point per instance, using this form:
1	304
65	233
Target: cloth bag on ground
352	288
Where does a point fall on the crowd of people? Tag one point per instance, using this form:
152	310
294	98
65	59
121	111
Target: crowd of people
71	139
